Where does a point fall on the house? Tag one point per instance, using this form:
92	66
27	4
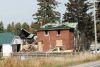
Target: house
9	43
51	36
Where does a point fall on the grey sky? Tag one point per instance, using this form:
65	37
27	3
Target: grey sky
21	10
17	10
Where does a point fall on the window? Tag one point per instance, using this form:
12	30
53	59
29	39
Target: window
46	33
58	32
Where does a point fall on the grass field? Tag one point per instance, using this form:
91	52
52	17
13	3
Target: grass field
49	62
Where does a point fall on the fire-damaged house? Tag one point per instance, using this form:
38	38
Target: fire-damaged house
28	41
51	36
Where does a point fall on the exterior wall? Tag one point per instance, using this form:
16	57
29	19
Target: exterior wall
40	46
49	42
44	40
18	41
7	49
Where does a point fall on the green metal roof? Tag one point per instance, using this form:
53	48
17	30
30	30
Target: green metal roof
49	27
59	27
6	38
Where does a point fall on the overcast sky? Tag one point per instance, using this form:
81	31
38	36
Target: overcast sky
21	10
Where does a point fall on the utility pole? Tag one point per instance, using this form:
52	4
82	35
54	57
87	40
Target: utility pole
95	29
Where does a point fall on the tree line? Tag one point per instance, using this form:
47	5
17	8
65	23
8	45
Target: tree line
16	28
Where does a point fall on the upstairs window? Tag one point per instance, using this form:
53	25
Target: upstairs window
46	33
58	32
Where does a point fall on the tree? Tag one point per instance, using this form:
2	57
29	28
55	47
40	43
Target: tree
46	12
13	27
25	26
98	10
9	28
35	26
98	19
77	11
17	28
1	27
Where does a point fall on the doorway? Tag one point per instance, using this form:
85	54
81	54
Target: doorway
18	47
0	48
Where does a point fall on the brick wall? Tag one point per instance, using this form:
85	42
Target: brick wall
49	41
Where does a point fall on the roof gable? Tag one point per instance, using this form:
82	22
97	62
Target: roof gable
6	38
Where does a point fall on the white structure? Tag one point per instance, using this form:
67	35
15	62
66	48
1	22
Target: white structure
6	49
17	40
9	44
92	46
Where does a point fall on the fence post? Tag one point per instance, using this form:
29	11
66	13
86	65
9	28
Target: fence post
36	54
46	55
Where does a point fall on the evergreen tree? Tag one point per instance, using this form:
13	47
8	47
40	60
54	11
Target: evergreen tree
35	26
47	13
17	28
1	27
13	27
25	26
77	11
98	19
9	28
98	10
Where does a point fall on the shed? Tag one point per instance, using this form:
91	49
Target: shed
6	41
